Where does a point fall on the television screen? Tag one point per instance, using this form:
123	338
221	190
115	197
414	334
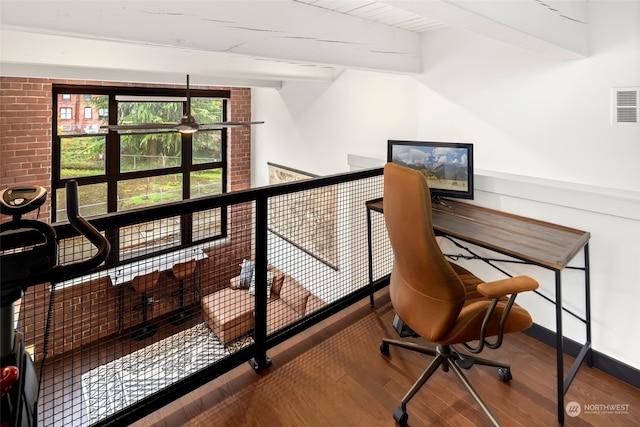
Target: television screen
448	166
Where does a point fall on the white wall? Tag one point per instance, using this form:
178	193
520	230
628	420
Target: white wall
536	116
526	114
313	126
613	220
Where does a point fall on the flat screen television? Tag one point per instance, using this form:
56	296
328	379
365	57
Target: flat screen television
448	166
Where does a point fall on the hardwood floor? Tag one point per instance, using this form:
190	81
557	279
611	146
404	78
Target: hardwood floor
334	375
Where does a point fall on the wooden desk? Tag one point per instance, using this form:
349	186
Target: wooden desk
530	241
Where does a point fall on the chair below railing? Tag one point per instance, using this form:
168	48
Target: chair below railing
113	379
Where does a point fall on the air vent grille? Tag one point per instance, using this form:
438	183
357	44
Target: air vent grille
626	105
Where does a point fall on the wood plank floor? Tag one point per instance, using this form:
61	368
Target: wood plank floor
334	375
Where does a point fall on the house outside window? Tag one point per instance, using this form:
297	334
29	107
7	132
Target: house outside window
118	171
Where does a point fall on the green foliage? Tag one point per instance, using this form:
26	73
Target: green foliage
81	154
206	110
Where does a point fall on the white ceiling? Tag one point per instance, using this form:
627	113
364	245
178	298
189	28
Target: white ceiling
379	12
263	42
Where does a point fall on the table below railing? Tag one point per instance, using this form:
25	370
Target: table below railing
529	241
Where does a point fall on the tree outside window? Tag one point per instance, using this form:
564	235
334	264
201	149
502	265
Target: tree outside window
123	170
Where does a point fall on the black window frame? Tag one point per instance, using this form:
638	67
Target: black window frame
113	174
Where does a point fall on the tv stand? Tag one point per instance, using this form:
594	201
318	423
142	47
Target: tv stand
437	200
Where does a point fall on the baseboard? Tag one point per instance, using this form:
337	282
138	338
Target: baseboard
605	363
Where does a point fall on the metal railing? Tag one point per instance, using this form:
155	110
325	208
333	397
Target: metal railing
308	243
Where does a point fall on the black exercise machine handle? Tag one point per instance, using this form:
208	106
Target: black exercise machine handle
86	229
50	271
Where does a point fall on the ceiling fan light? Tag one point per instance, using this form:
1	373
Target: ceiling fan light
187	125
187	130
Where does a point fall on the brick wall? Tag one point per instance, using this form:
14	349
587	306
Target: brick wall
87	313
239	150
25	133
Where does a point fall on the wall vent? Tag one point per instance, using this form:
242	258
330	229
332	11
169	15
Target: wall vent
626	106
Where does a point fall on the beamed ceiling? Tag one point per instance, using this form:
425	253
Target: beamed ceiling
263	43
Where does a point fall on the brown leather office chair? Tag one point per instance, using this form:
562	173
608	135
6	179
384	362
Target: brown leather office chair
440	301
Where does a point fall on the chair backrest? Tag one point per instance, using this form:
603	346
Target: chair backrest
145	282
183	270
425	290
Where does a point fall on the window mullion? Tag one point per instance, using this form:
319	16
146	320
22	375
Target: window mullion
113	157
187	164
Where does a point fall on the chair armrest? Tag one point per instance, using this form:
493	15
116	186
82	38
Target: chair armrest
496	291
504	287
234	282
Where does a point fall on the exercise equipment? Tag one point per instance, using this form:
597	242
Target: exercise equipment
29	256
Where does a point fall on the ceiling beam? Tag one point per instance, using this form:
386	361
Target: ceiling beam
554	28
275	36
53	56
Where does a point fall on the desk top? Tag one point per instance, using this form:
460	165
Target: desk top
547	244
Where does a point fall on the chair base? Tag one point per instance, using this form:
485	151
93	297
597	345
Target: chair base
446	356
182	316
144	331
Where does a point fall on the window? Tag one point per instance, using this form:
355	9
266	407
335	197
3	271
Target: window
87	112
124	170
65	113
66	97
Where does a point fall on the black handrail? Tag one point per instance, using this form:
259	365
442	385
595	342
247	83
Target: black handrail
47	269
257	352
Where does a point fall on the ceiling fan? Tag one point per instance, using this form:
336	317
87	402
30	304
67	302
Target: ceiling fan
187	124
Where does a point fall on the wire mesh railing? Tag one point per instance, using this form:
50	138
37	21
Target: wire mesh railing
195	288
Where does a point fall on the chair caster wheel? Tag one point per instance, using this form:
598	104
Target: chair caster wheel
504	374
464	363
384	348
400	415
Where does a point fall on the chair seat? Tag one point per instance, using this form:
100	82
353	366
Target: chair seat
183	270
469	321
229	307
229	313
145	282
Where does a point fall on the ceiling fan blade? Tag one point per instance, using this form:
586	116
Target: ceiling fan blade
141	126
187	124
222	125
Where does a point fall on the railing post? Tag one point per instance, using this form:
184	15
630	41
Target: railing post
260	359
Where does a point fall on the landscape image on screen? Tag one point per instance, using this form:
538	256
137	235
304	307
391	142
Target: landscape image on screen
444	167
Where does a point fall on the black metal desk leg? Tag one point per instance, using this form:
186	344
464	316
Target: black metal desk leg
369	246
559	348
587	301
